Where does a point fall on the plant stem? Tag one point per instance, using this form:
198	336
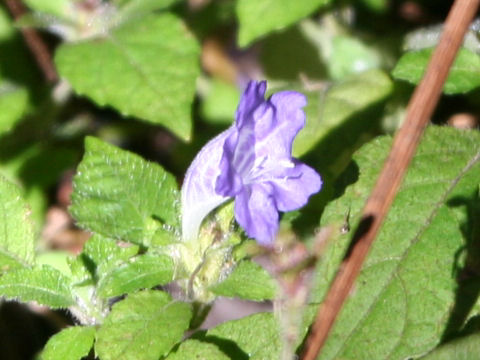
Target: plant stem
419	111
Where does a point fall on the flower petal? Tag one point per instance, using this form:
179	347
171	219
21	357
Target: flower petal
292	192
257	214
285	116
198	190
252	97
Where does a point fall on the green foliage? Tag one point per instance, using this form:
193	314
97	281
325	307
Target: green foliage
466	348
258	18
73	343
463	76
220	102
325	112
194	349
142	272
145	325
16	237
128	68
14	103
248	281
120	195
44	284
256	335
409	276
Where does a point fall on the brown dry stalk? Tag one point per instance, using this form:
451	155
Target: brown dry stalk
419	111
35	43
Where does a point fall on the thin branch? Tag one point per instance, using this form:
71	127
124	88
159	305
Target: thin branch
419	111
35	43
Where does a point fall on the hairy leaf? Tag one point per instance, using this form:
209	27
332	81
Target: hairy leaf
72	343
466	348
130	68
409	277
119	195
194	349
45	285
16	235
142	272
463	77
145	325
248	281
256	335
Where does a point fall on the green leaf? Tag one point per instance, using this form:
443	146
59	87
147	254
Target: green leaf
257	335
409	276
130	67
220	102
102	250
120	195
16	238
194	349
131	8
350	56
142	272
340	102
13	105
72	343
45	285
258	18
248	281
464	74
466	348
145	325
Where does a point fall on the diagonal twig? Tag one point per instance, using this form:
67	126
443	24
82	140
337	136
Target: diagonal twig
35	43
419	111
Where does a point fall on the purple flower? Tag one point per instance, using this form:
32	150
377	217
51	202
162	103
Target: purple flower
251	161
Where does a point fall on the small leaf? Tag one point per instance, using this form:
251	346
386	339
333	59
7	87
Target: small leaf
258	18
257	335
104	250
340	102
143	272
45	285
16	238
409	275
72	343
145	325
129	70
14	103
463	77
118	194
466	348
248	281
194	349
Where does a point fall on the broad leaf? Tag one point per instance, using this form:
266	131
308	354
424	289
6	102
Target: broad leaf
45	285
194	349
118	194
409	276
145	325
341	101
16	238
464	74
130	67
142	272
134	8
13	104
466	348
220	102
72	343
258	336
258	18
248	281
